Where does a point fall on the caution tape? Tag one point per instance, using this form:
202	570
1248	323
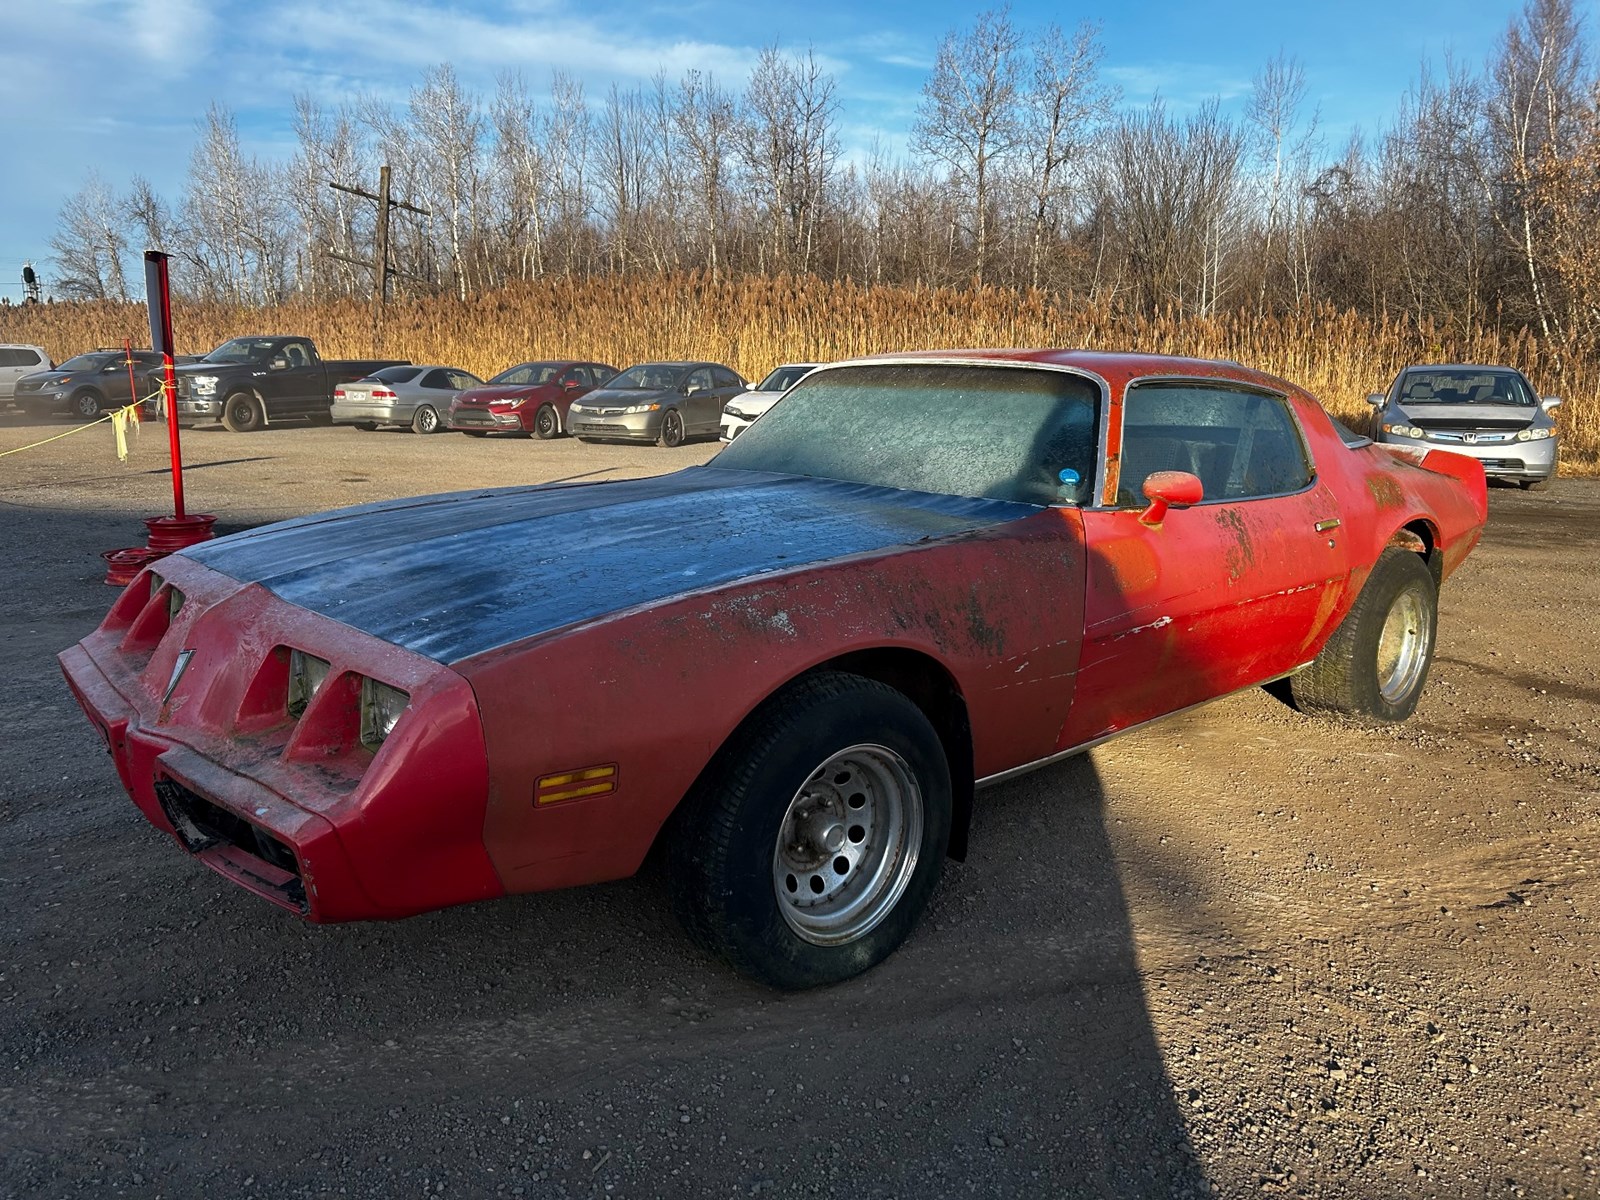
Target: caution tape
119	419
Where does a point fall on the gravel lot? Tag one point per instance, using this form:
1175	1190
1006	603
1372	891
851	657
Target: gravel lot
1240	953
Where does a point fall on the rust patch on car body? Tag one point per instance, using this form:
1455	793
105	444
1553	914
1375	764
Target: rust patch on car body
1240	555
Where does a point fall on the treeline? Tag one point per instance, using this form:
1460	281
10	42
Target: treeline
1476	207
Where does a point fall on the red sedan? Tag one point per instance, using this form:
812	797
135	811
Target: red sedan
792	670
531	397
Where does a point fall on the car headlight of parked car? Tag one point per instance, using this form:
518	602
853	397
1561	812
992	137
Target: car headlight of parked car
204	385
1410	431
639	408
381	706
1534	435
508	404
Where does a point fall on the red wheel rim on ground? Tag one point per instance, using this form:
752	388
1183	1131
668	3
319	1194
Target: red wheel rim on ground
174	533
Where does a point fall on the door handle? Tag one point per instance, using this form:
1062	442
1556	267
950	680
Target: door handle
1327	523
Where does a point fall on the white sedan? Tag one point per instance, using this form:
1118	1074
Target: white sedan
742	410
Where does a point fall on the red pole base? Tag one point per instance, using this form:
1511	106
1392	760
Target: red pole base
174	533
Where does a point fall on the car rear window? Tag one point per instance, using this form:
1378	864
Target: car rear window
1005	433
396	374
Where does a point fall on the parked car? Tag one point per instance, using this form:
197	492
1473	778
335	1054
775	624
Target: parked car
737	415
87	384
408	395
1490	413
791	668
17	361
531	397
664	402
250	382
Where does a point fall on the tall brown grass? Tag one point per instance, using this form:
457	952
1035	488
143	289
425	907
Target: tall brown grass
754	323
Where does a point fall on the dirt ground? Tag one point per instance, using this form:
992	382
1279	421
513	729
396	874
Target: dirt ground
1240	953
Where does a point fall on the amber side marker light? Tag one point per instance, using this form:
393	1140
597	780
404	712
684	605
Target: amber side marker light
572	785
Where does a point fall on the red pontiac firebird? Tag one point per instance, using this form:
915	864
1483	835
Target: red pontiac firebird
531	397
792	669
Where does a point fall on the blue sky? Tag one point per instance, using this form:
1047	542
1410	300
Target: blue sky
118	85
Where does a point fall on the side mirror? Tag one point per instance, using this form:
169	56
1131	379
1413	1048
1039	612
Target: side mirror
693	389
1376	399
1169	489
571	385
1550	403
280	363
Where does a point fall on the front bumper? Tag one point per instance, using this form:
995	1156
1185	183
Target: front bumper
733	426
332	832
484	418
629	427
41	403
1510	460
190	407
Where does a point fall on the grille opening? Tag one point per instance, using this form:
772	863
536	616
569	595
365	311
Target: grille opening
204	826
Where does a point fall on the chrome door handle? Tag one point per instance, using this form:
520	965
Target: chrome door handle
1327	524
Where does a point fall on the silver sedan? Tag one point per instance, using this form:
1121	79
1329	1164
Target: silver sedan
408	395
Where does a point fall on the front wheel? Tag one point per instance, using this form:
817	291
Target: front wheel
425	420
1376	663
546	424
671	434
86	404
811	847
241	413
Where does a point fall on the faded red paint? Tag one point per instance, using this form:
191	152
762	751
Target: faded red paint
1053	630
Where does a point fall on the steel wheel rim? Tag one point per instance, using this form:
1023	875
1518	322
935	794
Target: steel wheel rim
88	406
860	810
1403	645
427	420
243	411
545	421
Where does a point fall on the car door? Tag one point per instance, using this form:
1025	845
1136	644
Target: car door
1222	595
15	362
434	389
729	385
701	409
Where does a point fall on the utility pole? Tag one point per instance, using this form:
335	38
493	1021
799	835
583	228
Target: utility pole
379	263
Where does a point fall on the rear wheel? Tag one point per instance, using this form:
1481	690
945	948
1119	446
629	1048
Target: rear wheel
241	413
671	429
86	404
1376	663
546	424
425	420
812	845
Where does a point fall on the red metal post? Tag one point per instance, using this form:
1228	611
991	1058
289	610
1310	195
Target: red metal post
159	299
133	386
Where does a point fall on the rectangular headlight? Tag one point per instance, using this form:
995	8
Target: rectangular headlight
381	706
306	673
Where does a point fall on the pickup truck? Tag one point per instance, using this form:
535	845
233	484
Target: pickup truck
251	382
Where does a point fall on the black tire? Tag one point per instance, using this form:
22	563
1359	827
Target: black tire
1375	665
425	419
546	424
671	434
241	413
731	856
365	426
1534	485
86	404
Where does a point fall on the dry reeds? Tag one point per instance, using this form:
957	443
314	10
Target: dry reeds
754	323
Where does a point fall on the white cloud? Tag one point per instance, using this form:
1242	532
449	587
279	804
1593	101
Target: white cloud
1181	84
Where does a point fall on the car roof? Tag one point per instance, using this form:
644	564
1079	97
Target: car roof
1117	367
1459	367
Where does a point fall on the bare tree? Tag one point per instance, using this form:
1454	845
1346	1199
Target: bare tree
449	128
1533	104
969	119
788	142
1283	149
704	122
1063	104
89	244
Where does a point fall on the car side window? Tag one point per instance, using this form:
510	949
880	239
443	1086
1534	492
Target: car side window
576	375
298	354
726	378
436	378
10	357
1242	444
699	378
601	373
461	381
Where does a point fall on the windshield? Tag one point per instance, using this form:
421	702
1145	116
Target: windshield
85	362
242	350
649	377
1464	387
783	378
528	374
1006	433
396	374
